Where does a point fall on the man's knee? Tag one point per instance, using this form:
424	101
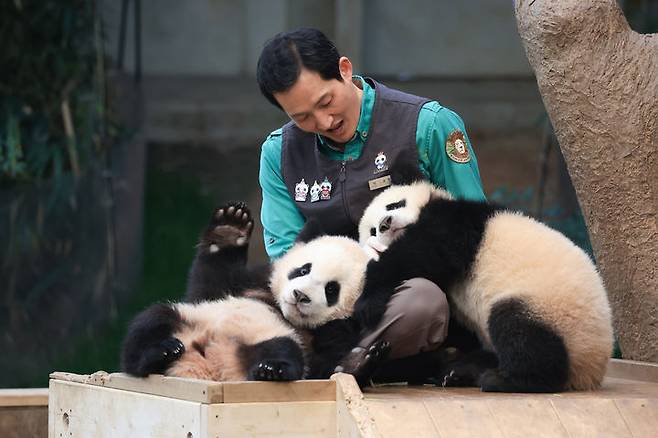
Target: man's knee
421	300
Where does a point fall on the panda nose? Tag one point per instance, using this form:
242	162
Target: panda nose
301	297
385	224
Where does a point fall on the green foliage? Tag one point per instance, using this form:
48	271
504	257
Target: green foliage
49	58
169	235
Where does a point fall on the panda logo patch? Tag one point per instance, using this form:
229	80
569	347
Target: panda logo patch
380	163
325	190
301	190
457	148
315	192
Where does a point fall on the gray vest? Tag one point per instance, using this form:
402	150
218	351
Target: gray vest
392	135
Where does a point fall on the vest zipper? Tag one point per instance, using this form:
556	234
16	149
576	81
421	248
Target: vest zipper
342	177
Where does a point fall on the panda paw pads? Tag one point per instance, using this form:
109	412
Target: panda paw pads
172	348
231	226
274	370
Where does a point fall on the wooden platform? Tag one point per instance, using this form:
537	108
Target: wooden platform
24	413
110	405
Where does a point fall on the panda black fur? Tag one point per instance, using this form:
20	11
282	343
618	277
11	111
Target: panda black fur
533	298
229	329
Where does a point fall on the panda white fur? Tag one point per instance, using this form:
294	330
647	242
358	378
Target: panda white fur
320	280
229	329
532	297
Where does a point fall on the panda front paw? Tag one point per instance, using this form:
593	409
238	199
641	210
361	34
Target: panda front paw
363	362
275	370
157	358
230	227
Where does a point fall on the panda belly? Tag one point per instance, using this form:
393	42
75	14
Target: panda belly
529	279
226	340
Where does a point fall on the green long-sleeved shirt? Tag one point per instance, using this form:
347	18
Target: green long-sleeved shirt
280	217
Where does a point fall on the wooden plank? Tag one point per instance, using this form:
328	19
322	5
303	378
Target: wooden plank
353	419
81	410
633	370
525	417
463	418
598	418
202	391
260	420
302	390
24	422
24	397
402	418
641	416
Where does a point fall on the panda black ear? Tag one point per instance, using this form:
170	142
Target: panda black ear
406	173
311	230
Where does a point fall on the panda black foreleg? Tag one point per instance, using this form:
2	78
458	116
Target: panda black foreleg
381	282
532	356
335	350
277	359
467	368
149	347
219	266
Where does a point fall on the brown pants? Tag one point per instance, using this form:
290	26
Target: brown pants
416	319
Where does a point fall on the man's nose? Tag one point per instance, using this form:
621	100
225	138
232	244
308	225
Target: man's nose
325	121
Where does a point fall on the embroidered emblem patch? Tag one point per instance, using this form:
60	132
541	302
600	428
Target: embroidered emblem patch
325	190
380	163
301	190
315	192
456	147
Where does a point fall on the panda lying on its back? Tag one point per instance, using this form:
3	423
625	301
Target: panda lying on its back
230	330
533	298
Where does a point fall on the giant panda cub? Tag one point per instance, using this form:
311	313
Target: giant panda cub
229	329
533	298
316	284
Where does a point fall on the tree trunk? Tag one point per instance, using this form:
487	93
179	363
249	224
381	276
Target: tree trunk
599	82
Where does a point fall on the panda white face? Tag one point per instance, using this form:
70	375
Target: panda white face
392	211
319	281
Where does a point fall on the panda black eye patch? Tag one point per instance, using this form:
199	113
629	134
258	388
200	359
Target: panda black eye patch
396	205
300	272
331	291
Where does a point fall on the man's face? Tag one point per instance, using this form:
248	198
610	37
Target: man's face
327	107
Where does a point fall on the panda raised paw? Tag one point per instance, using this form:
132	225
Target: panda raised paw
230	226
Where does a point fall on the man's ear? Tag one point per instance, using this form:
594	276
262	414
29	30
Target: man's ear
345	68
404	173
311	230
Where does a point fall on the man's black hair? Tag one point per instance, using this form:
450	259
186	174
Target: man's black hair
283	57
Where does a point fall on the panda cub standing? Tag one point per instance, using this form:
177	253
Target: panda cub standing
228	329
533	298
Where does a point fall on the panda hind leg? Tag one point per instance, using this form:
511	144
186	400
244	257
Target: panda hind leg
149	347
532	357
277	359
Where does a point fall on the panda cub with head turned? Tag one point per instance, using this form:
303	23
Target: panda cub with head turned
534	299
229	328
